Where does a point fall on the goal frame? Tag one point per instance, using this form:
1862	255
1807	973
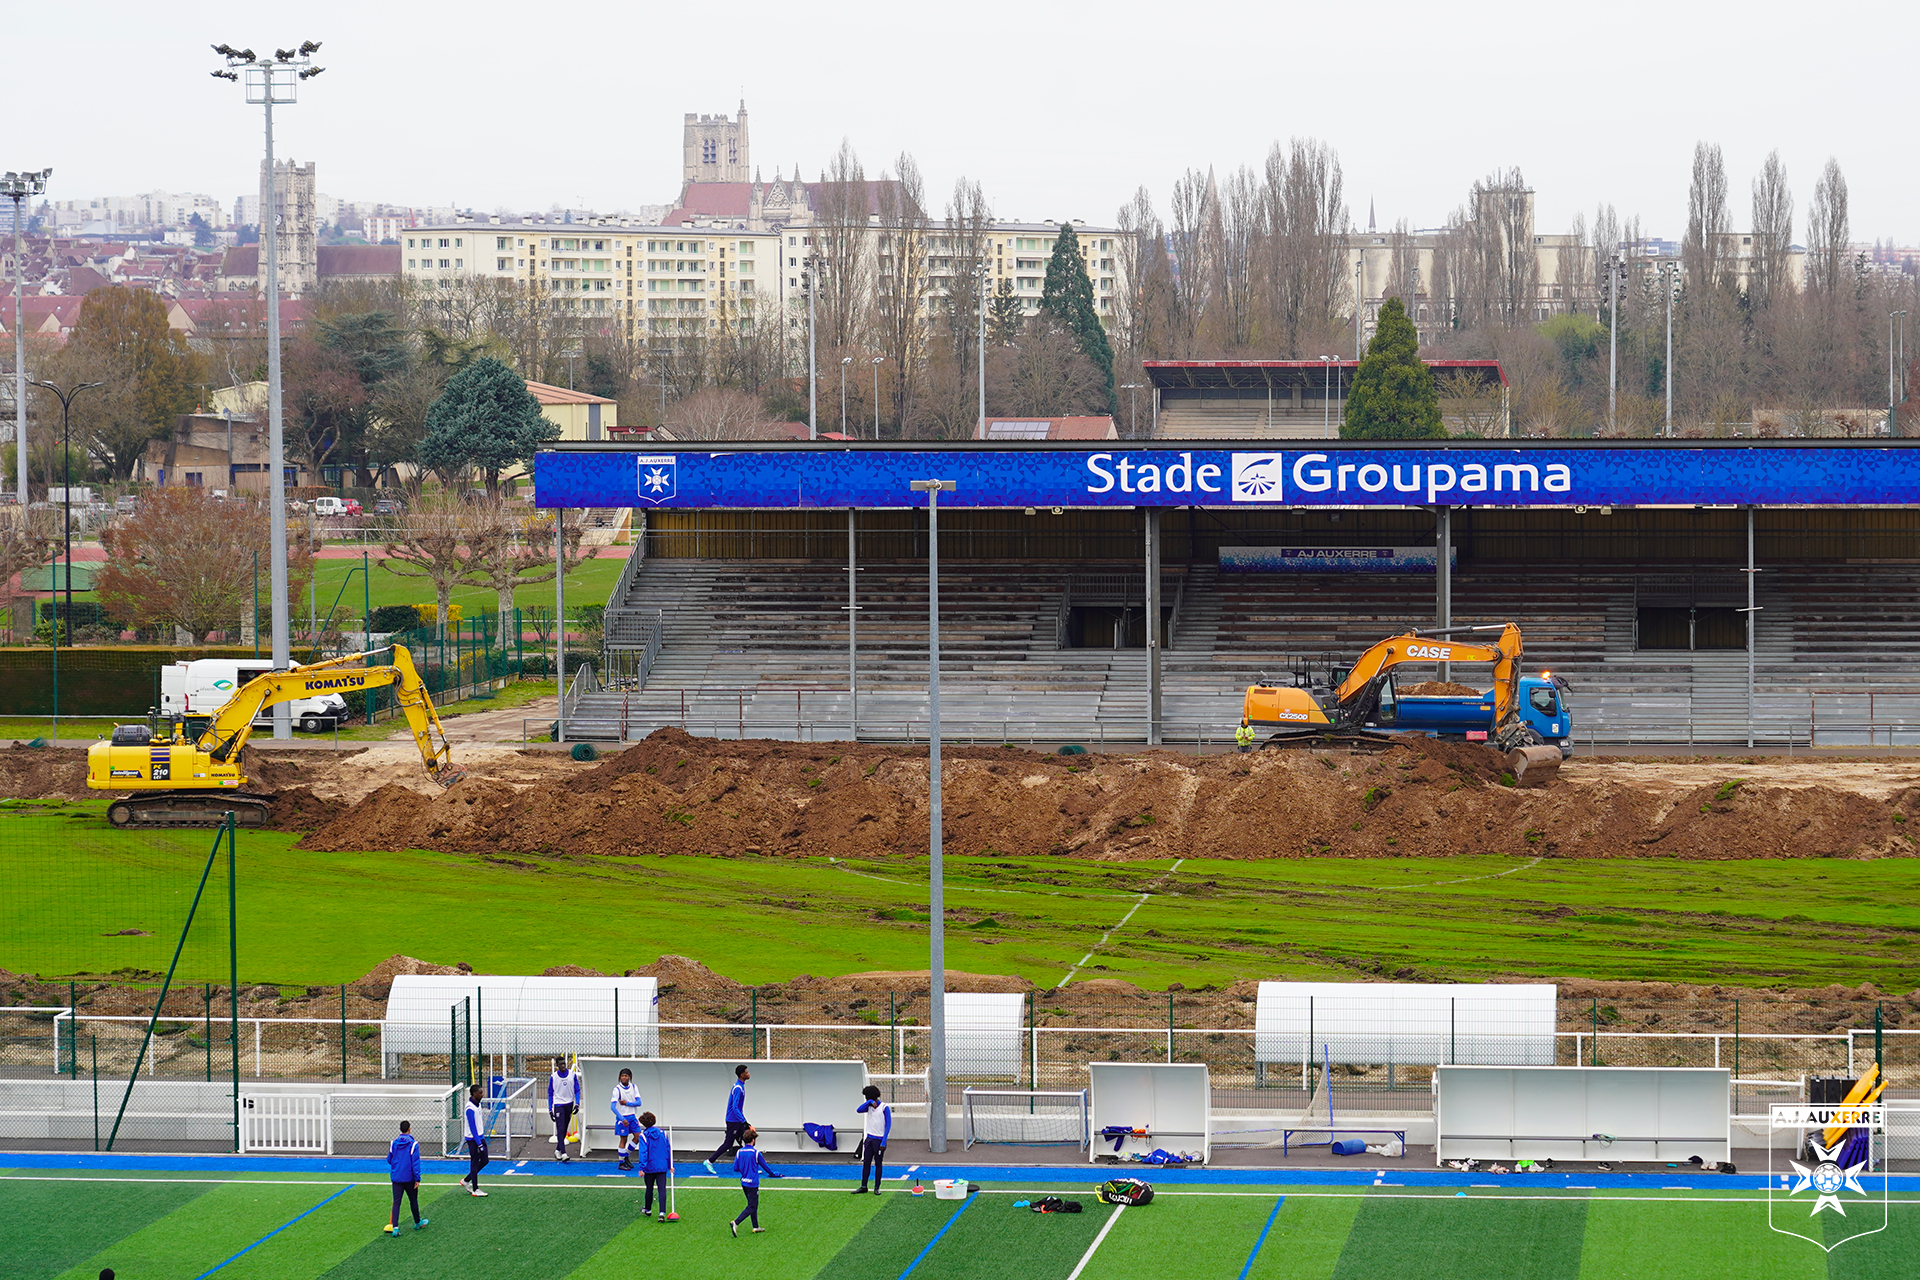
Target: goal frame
972	1094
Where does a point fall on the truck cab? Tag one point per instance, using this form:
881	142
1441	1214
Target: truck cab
1542	706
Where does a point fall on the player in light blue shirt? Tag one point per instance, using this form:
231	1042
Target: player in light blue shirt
626	1119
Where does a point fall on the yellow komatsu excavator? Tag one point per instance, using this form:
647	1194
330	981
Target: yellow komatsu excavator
1525	717
186	771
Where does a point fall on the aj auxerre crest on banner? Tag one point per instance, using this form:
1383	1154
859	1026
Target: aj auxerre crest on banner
1817	1182
658	476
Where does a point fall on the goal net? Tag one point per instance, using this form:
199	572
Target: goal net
1032	1117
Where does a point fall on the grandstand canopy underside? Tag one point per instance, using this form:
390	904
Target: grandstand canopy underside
1631	577
1302	399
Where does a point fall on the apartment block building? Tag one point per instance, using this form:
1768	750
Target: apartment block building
637	282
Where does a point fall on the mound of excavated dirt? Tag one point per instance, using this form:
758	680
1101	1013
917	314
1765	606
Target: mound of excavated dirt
1439	689
675	794
44	773
908	982
672	970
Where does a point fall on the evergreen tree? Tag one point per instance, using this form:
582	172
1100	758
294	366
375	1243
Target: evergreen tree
1394	396
1068	299
486	419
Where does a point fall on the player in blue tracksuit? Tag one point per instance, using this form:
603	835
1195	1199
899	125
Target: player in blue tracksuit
656	1160
564	1088
878	1123
403	1161
626	1118
736	1116
749	1165
475	1131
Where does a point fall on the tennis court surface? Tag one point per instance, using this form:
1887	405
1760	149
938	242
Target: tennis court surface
173	1220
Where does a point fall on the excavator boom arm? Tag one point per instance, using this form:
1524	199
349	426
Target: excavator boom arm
232	724
1413	646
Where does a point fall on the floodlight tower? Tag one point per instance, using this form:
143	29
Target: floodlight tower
271	81
17	187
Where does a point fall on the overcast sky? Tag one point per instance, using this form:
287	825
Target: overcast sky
1060	111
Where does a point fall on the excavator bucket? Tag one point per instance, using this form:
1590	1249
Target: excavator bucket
447	774
1533	766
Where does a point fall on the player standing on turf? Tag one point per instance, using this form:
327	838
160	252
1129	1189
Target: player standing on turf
476	1134
563	1099
750	1166
737	1125
626	1119
656	1161
403	1160
873	1144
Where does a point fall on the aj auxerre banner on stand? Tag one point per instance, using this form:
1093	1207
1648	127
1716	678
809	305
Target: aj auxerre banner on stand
1304	477
1334	559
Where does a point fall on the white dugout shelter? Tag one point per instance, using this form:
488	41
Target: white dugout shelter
1306	1024
523	1017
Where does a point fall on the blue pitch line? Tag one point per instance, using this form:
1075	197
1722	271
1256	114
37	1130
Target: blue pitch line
1263	1237
271	1234
936	1239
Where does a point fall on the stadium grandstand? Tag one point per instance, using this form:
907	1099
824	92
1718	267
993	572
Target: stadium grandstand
1630	578
1304	399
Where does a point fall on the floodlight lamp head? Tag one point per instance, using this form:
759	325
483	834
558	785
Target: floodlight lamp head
310	46
283	55
245	55
311	72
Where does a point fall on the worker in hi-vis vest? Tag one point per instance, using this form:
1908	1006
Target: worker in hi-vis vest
1243	737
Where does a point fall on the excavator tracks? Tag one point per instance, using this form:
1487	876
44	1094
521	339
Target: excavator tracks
189	809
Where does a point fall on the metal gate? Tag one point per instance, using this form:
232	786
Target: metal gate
286	1122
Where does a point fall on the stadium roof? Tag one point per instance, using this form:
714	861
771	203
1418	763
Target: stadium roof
1206	375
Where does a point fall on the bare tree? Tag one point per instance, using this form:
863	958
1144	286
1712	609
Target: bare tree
841	249
1573	268
512	547
1503	214
1704	252
1145	282
720	413
1192	224
1403	265
1772	232
1307	220
962	256
1042	374
1828	266
902	284
435	539
1239	221
188	561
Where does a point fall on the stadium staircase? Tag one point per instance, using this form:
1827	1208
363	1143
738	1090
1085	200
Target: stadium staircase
760	648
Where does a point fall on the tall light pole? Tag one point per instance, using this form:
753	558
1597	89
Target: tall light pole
1893	381
1359	301
809	276
270	81
66	495
17	187
1670	271
844	362
1614	268
1326	398
876	395
1133	408
980	274
937	913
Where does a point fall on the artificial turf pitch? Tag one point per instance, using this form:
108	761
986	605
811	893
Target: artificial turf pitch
188	1226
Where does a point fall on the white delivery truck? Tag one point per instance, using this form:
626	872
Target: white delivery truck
203	686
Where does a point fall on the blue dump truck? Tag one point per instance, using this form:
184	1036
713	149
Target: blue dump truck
1524	717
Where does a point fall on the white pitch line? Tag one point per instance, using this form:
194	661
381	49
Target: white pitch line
1463	879
1122	924
1094	1248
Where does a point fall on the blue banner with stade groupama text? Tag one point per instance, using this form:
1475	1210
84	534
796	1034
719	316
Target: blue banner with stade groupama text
825	477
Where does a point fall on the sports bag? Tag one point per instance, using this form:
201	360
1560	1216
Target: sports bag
1125	1191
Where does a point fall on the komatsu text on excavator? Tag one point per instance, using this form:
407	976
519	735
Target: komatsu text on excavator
1525	717
185	771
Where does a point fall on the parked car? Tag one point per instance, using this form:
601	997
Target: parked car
389	507
126	504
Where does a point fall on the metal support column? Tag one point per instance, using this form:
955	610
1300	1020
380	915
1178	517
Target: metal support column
853	633
936	897
1443	575
560	620
1153	626
1751	571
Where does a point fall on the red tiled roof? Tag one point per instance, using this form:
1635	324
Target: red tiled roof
716	199
358	260
241	260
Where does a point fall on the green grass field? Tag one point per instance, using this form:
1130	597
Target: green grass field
70	886
279	1226
590	583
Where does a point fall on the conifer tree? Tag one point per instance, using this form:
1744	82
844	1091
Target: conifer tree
1067	298
1394	396
485	418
